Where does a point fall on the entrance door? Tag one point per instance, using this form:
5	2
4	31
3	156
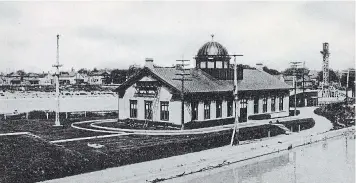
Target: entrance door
243	110
148	109
194	108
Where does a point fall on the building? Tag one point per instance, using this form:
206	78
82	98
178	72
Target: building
308	83
67	78
99	78
154	94
45	79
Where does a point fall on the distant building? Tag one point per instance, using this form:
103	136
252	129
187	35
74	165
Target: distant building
67	78
45	79
299	81
13	79
31	79
154	94
99	78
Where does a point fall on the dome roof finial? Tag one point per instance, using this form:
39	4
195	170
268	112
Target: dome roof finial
212	37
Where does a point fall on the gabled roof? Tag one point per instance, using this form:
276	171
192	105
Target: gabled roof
202	82
254	79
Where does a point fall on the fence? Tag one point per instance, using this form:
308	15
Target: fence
62	115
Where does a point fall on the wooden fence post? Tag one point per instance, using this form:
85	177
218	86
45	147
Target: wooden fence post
66	115
269	133
299	128
47	115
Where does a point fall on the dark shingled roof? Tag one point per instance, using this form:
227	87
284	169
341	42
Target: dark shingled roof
202	82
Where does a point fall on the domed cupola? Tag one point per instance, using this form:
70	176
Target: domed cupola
213	58
212	48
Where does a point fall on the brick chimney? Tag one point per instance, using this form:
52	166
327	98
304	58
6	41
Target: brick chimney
149	62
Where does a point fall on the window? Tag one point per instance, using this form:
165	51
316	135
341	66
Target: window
206	110
164	111
194	110
226	64
219	64
281	103
264	104
255	105
202	65
229	108
218	109
148	109
243	103
273	104
211	65
133	108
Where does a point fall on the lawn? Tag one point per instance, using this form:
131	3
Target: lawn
45	128
35	159
28	159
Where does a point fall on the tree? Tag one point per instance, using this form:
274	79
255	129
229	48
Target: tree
95	69
133	69
83	71
333	77
118	76
271	71
21	72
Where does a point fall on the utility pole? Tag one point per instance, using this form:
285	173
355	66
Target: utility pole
235	132
182	79
325	85
295	66
57	66
347	83
303	87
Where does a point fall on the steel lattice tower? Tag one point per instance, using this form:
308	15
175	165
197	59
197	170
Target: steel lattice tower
325	52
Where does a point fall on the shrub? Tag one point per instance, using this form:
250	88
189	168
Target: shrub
204	124
259	117
37	115
291	112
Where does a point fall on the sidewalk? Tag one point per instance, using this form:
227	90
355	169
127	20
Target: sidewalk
195	162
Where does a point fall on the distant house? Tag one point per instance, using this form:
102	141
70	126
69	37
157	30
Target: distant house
99	78
13	79
67	78
81	78
45	79
31	79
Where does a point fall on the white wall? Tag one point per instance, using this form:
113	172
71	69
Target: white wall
175	107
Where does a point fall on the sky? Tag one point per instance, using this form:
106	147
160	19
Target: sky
119	34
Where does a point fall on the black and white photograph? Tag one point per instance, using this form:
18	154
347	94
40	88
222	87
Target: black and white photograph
177	91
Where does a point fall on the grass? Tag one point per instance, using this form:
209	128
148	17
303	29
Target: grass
45	128
21	162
